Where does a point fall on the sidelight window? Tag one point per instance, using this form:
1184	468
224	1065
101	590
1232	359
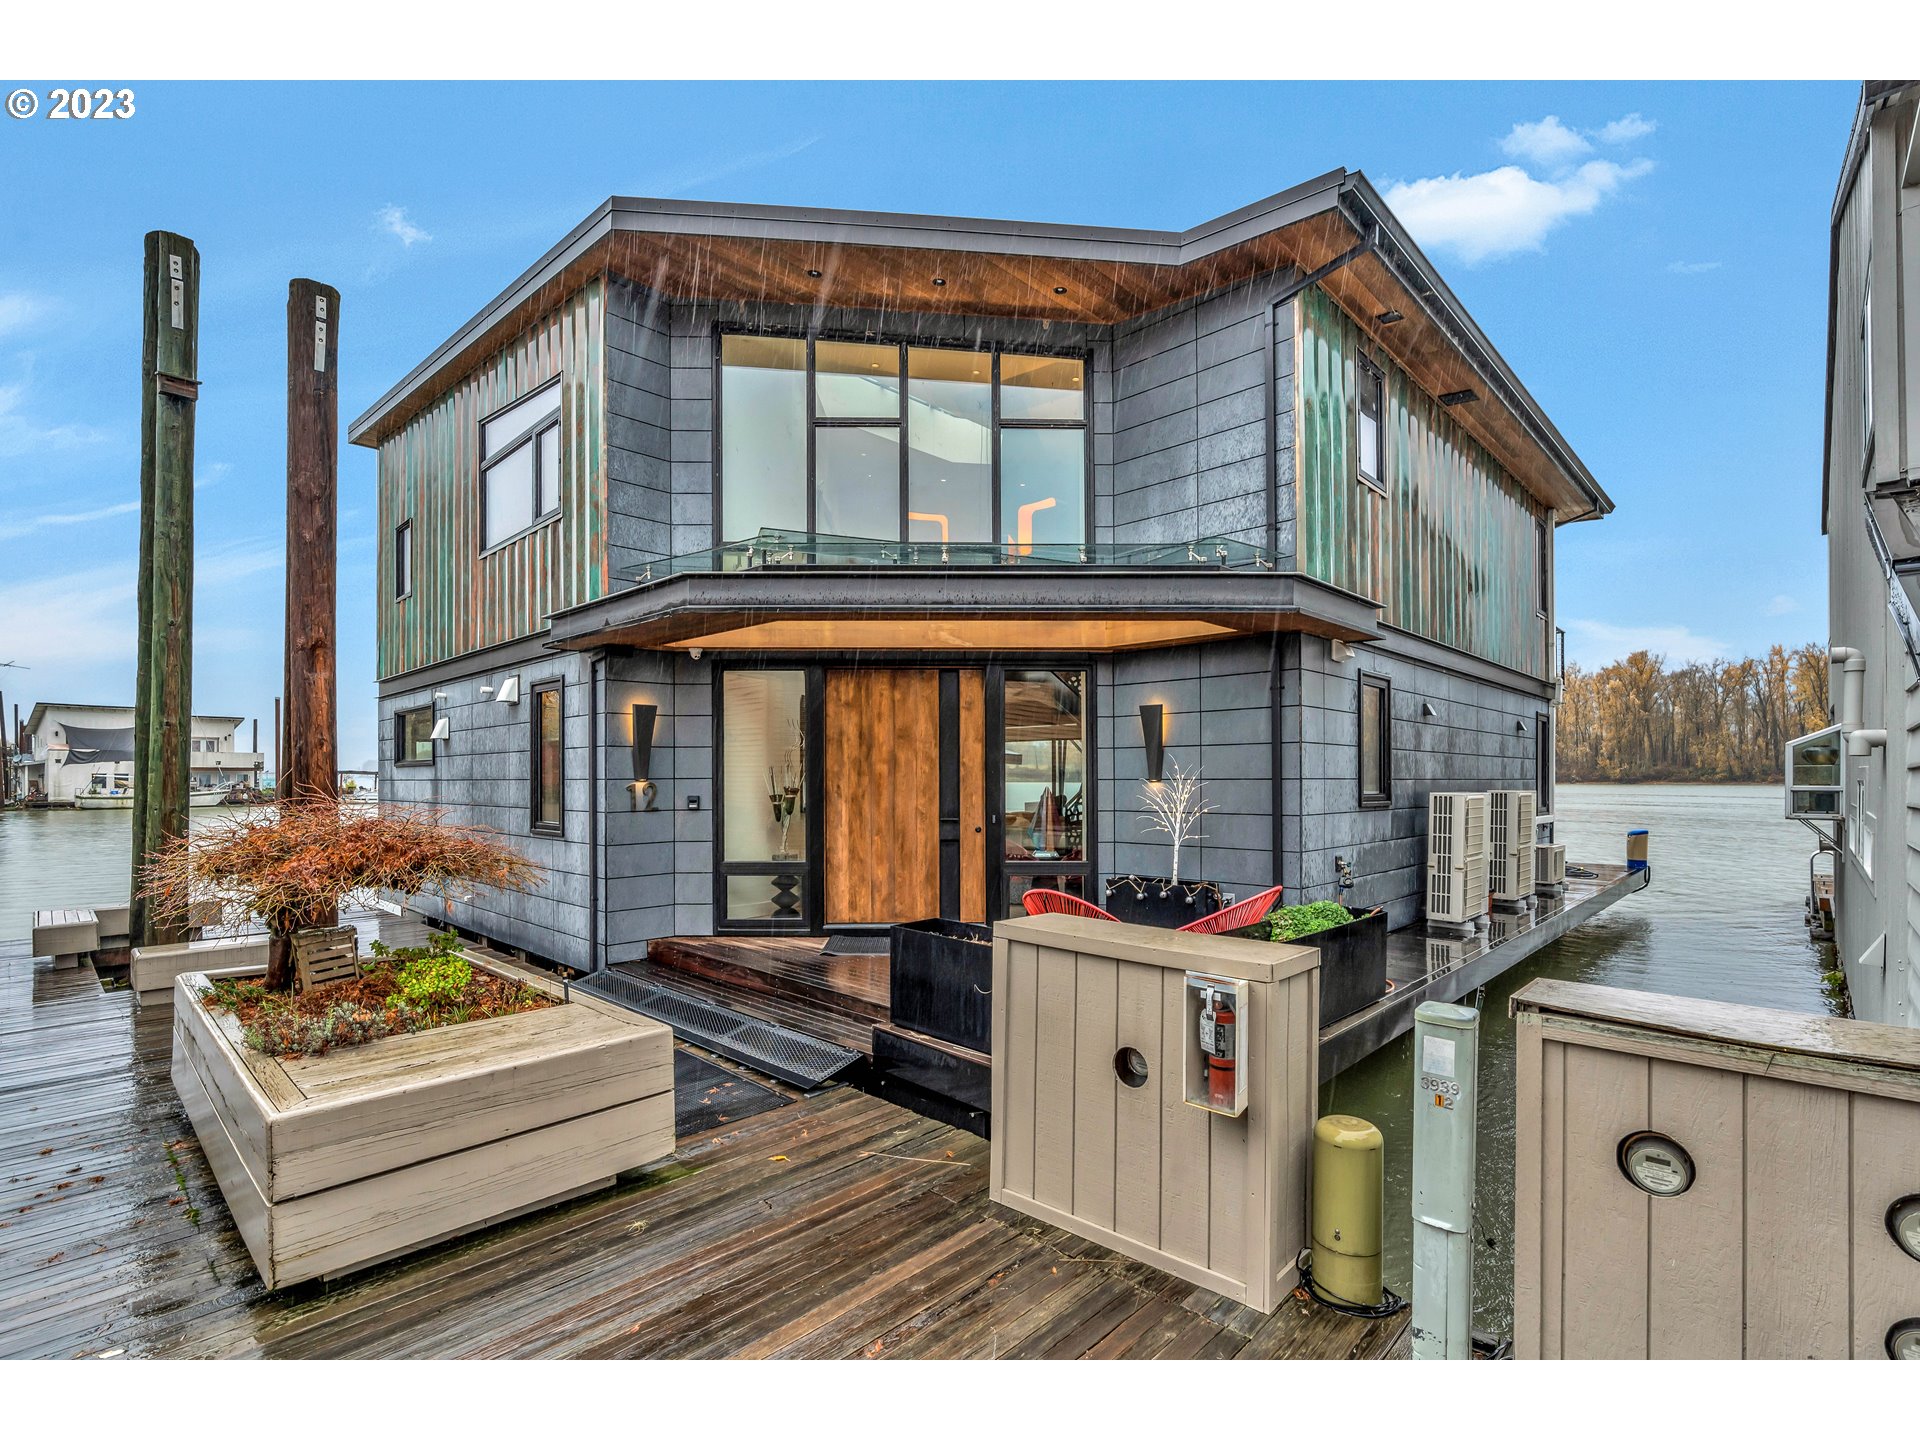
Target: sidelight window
1376	742
547	760
763	790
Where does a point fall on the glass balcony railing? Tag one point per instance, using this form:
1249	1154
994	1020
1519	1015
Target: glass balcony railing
783	548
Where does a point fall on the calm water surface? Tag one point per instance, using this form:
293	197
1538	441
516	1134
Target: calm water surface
52	858
1722	921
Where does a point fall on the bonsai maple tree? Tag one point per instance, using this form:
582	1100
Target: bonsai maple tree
292	865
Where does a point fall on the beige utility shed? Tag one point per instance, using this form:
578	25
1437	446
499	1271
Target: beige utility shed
1083	1139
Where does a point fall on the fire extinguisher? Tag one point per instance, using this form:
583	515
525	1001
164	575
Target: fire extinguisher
1217	1043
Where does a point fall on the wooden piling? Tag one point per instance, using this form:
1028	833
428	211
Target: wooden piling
311	775
163	685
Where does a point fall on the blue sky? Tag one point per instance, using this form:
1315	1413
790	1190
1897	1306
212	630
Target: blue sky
1650	258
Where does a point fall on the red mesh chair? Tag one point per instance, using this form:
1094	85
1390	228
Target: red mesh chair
1237	916
1059	902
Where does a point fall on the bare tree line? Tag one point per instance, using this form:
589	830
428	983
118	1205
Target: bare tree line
1709	720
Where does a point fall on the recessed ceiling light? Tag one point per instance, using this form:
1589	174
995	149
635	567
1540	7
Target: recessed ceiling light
1458	397
938	281
813	274
1059	289
1389	317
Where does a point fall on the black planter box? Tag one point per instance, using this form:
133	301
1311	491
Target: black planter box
1353	964
1186	902
941	973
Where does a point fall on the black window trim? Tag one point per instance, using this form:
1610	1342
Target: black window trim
1365	365
403	559
1382	799
528	436
400	734
535	825
812	336
1543	761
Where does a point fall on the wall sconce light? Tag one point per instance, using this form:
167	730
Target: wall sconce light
441	729
509	691
1519	727
1341	651
1153	734
1427	712
643	789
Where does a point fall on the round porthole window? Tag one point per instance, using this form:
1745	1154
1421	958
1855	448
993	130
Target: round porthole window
1903	1223
1903	1340
1657	1164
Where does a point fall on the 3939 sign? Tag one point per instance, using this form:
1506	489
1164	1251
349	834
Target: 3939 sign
72	103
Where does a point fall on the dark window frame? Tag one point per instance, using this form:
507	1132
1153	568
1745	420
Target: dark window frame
1543	761
814	423
1366	371
1380	799
535	774
530	436
400	734
403	560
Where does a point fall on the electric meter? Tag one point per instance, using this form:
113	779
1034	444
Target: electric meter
1903	1340
1903	1223
1656	1163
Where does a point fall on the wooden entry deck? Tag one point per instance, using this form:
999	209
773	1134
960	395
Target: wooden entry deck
838	1225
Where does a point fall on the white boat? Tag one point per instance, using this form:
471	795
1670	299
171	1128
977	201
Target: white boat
119	799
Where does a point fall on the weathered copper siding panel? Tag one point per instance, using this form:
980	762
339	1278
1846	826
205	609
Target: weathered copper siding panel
430	473
1450	550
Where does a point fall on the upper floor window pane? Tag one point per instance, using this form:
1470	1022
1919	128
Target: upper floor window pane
856	382
763	441
403	560
547	498
507	503
516	420
1042	387
519	466
857	474
1043	487
950	446
1372	386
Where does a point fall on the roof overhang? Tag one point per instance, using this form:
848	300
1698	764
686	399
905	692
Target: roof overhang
1092	611
1086	275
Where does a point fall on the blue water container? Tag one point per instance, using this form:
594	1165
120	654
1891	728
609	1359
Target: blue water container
1636	849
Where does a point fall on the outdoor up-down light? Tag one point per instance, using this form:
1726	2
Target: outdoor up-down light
509	691
643	790
1153	734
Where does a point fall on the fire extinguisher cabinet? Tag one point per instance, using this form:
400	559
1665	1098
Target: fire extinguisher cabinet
1107	1120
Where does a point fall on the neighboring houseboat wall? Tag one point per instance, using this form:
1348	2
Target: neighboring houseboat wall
1451	550
1877	874
481	774
1481	736
658	864
429	474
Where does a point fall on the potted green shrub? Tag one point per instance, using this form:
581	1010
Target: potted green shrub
1353	951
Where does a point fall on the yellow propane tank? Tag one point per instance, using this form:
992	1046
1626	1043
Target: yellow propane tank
1349	1181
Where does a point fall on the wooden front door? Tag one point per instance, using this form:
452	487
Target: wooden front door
904	795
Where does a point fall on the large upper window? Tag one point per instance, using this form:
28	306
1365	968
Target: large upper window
901	442
1370	404
519	466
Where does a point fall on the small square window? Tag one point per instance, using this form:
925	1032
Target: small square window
413	736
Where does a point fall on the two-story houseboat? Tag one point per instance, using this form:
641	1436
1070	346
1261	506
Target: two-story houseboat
796	571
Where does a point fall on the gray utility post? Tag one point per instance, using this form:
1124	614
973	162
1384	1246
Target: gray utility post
1446	1055
163	677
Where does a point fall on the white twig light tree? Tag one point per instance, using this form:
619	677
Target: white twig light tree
1174	808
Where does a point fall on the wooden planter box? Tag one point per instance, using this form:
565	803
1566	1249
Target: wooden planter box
938	981
333	1162
1219	1200
1184	903
153	968
1353	964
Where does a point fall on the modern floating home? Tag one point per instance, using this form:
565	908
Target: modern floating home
1855	780
769	571
82	755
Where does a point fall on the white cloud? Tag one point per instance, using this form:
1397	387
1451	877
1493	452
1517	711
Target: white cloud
22	434
1626	129
205	477
1502	212
693	178
64	622
1692	267
15	529
1545	142
1782	605
19	310
1593	643
225	564
393	219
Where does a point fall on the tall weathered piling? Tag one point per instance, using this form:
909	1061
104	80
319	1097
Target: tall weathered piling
310	758
163	682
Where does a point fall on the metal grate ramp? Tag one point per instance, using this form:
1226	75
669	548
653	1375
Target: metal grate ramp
772	1049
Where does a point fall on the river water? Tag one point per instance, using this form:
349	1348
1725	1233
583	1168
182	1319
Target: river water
1721	921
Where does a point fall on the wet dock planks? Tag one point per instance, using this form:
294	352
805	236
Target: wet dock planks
836	1226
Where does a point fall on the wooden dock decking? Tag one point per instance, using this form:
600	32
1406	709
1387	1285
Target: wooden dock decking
839	1225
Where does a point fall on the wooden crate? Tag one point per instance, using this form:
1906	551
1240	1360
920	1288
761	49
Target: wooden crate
1218	1200
331	1163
